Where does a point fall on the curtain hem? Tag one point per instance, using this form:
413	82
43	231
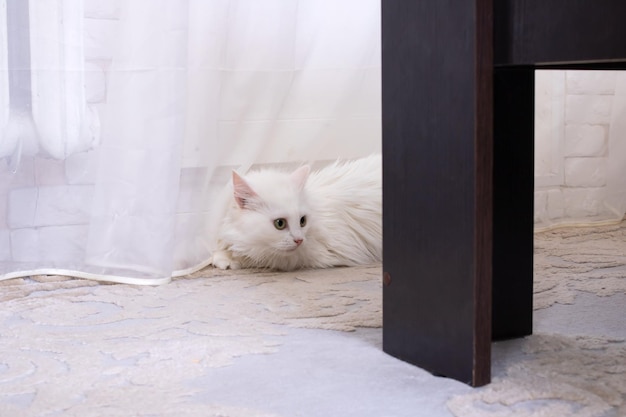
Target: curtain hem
86	275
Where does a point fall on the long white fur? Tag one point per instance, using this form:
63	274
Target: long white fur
342	204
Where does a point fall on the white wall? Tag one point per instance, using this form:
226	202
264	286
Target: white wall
573	146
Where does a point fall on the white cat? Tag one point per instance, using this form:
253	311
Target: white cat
303	219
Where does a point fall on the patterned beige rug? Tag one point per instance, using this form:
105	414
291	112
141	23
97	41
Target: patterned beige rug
78	347
578	376
557	376
569	260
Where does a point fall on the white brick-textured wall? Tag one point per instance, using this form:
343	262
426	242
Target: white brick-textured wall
583	109
583	203
585	140
582	158
591	82
5	245
555	201
585	172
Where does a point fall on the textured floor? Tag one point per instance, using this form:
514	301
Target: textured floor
305	344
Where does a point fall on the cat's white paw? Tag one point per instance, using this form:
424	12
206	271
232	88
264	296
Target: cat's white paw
222	259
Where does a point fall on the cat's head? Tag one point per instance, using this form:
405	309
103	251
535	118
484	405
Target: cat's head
272	213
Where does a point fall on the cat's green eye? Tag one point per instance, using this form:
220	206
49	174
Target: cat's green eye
280	224
302	221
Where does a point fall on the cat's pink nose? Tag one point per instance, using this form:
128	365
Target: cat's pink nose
297	241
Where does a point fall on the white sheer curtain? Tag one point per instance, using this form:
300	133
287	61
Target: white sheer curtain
195	88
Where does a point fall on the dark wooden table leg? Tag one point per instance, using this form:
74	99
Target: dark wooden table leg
514	109
437	172
437	178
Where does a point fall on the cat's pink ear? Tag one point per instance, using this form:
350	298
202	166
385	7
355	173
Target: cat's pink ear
242	191
300	175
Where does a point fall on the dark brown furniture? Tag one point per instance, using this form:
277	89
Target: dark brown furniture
458	107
